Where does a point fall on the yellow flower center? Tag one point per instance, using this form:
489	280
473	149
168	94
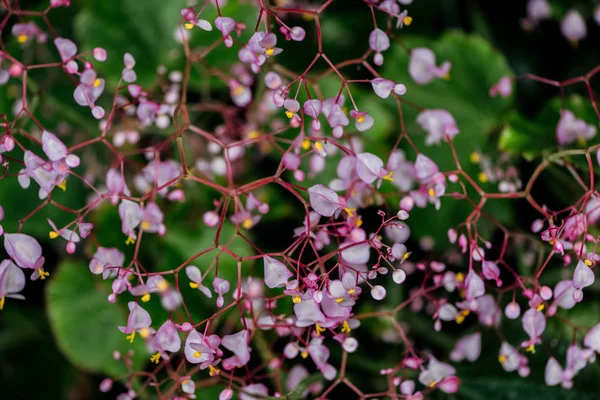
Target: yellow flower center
162	285
483	178
352	291
460	277
339	299
588	262
296	299
431	192
197	354
146	225
155	358
238	90
360	119
388	177
146	298
63	185
350	211
359	222
502	359
474	157
97	82
247	224
289	114
345	327
188	25
407	20
530	349
406	255
144	333
129	240
270	51
212	371
44	274
22	38
540	307
193	285
461	317
130	337
253	135
304	354
53	235
2	302
319	329
318	146
305	144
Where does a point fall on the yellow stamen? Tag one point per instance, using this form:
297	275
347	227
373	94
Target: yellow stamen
253	135
129	240
22	38
406	255
247	224
483	178
359	222
296	299
289	114
305	144
1	302
318	146
407	20
238	90
446	77
339	299
345	327
540	307
188	25
146	298
63	185
97	82
588	262
551	242
360	119
431	385
319	329
146	225
130	337
462	293
460	277
388	177
162	285
270	51
474	157
304	354
144	333
193	285
461	317
502	359
350	211
155	358
44	274
431	192
197	354
351	291
530	349
53	235
212	371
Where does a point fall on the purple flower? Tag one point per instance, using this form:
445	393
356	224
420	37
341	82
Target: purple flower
166	339
534	324
88	91
570	129
57	152
25	251
221	287
325	201
106	261
573	26
582	278
439	124
422	68
131	216
12	281
195	277
468	347
378	42
592	338
435	372
275	272
502	88
238	345
226	25
139	320
320	354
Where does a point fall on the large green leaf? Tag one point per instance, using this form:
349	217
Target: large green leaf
508	389
85	324
476	66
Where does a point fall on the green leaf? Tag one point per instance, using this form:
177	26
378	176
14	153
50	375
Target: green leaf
477	388
476	66
145	29
85	324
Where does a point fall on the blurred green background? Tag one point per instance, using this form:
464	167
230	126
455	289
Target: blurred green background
49	344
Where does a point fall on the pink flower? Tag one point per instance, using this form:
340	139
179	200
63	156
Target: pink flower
502	88
325	201
275	272
24	250
573	26
422	68
570	129
238	345
439	124
468	347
